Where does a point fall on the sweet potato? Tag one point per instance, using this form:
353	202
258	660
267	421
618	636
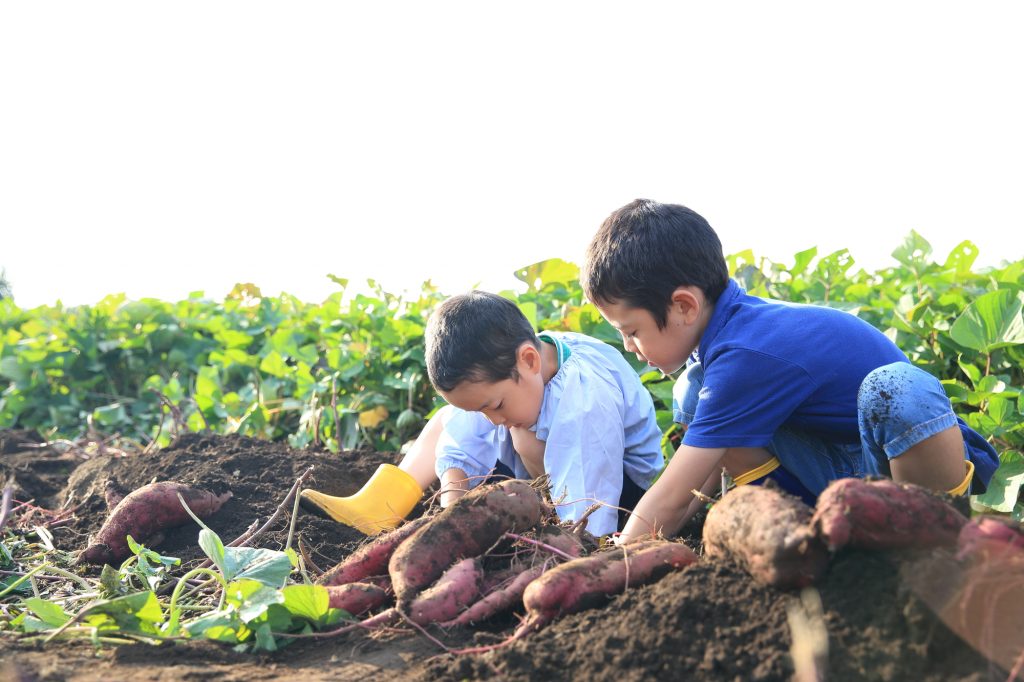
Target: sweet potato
768	533
583	583
144	513
988	537
371	559
883	514
498	600
507	589
457	587
356	598
467	528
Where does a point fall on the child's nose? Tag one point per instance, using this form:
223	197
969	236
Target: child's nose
495	418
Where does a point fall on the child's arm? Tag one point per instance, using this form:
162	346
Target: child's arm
669	503
453	485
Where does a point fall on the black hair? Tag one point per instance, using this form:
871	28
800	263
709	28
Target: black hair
475	337
645	250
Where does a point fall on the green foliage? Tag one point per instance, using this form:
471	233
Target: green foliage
350	371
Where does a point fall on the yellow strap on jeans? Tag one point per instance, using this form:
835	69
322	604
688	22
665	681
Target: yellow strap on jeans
962	488
758	472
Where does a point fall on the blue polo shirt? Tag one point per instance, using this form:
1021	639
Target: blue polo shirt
769	364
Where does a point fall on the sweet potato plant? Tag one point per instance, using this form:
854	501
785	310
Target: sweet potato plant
350	370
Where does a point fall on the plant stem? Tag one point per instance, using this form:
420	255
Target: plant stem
172	624
19	581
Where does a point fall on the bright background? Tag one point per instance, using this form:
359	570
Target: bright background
161	148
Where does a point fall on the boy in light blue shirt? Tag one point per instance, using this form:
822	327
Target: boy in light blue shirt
521	405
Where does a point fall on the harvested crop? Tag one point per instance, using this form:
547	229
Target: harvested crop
584	583
883	514
501	598
467	528
357	598
456	589
768	533
143	514
371	559
987	537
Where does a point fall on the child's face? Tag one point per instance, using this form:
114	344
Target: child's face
666	348
510	402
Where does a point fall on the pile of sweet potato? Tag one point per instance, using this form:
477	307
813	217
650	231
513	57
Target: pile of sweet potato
492	550
782	542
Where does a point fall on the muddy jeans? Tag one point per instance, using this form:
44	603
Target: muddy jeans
898	406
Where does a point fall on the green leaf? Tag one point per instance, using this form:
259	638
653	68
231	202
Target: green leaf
551	271
265	639
530	311
961	258
48	612
914	250
1004	488
11	369
803	259
275	365
212	546
215	620
307	601
142	605
661	391
973	372
110	415
266	566
991	321
251	598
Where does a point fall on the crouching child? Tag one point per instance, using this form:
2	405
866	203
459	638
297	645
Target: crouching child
521	404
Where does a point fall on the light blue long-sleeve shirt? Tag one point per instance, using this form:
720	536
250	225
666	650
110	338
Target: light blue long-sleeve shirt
597	422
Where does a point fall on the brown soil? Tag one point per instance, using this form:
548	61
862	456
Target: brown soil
707	622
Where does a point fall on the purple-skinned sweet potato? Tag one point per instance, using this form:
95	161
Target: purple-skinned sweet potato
144	513
883	514
467	528
356	598
371	559
584	583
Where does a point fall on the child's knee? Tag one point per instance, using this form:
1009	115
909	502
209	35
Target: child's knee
686	394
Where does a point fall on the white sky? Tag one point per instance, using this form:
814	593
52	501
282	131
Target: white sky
160	148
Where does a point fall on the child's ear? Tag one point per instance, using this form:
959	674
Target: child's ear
528	357
689	301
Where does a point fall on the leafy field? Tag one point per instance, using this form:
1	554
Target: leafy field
349	371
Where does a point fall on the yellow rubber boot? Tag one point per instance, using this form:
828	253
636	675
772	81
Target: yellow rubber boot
381	504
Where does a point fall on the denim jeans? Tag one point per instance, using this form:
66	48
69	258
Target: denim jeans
898	406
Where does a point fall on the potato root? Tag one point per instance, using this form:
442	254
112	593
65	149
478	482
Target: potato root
467	528
768	533
145	512
883	514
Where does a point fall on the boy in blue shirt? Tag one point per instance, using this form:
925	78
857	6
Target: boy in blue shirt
520	405
800	394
